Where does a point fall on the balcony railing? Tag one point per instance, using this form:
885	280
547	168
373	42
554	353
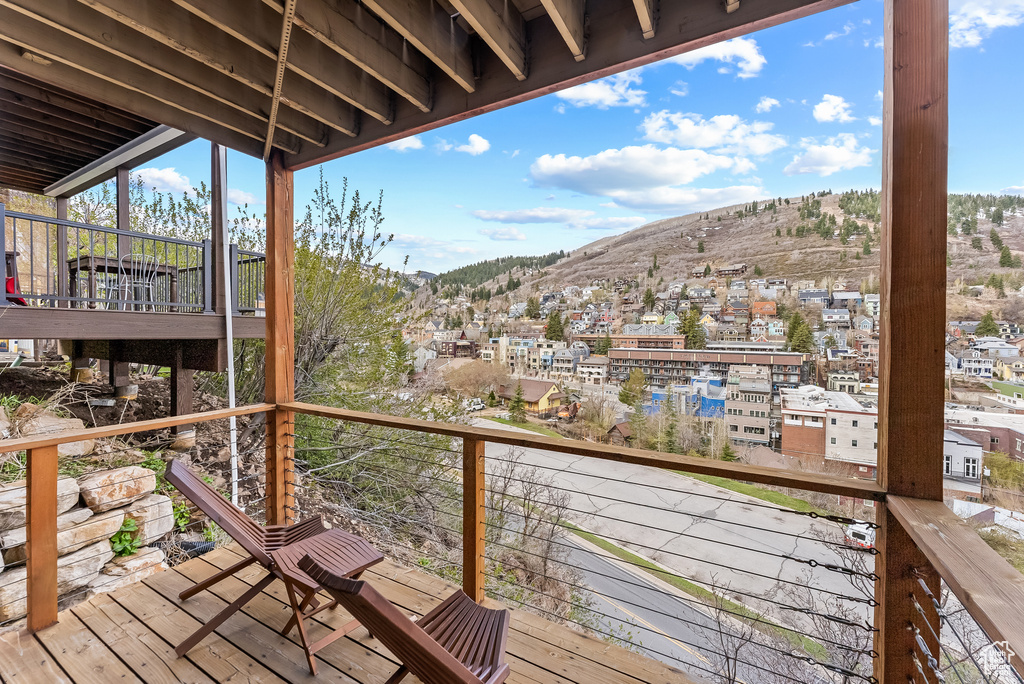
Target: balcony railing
56	263
618	543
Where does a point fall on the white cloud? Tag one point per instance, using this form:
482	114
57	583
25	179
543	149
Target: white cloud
766	104
840	153
878	42
629	168
613	91
725	133
646	178
847	29
503	234
413	142
1013	190
972	21
477	145
164	180
571	218
680	88
442	145
879	96
744	52
875	120
236	196
833	108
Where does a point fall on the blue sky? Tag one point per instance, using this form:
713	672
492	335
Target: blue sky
782	112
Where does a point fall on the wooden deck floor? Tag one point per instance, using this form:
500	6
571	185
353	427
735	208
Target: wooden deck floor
129	635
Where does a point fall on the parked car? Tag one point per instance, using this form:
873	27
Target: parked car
474	405
861	534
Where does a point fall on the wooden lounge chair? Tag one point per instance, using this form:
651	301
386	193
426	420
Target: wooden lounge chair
459	642
277	548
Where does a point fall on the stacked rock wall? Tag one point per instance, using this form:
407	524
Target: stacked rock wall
90	511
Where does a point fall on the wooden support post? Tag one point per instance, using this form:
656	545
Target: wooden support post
218	214
913	278
41	507
181	389
62	254
280	345
473	518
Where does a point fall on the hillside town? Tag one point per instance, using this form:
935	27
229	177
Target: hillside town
788	368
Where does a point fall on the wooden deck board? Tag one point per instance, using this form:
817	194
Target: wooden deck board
129	636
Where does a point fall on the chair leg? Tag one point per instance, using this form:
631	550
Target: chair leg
201	633
210	581
310	598
297	609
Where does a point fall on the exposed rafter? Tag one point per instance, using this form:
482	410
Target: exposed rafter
259	26
568	16
347	28
287	19
180	30
46	33
646	12
502	27
426	25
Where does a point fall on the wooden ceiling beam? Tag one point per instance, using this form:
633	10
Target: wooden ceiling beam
133	54
501	26
31	130
433	32
41	151
45	170
38	37
180	30
647	13
259	26
77	121
347	28
17	83
568	16
114	94
47	123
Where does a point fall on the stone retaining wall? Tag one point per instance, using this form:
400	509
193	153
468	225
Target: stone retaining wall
90	510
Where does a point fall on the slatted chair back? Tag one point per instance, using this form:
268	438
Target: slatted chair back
238	525
481	644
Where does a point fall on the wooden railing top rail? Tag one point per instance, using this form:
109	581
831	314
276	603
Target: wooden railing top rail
814	482
25	443
989	587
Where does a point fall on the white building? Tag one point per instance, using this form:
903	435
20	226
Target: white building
851	431
593	370
975	364
961	457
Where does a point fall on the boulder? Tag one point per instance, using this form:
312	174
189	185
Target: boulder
74	571
127	570
12	540
32	420
113	488
92	529
154	514
12	501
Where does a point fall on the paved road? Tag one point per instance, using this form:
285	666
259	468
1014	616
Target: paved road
700	531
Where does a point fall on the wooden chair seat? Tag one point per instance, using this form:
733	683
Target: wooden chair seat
458	642
278	548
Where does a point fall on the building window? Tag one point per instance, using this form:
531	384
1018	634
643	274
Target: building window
833	421
833	440
854	423
876	446
876	424
995	440
971	468
947	463
853	442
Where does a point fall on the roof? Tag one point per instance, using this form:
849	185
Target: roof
623	429
533	390
220	70
950	436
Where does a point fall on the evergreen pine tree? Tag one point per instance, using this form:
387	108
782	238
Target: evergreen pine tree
555	329
987	327
728	453
517	407
1005	258
700	247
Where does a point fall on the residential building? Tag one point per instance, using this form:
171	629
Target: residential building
804	410
815	296
844	381
850	301
974	364
835	318
635	341
540	395
1009	368
961	456
851	434
666	367
731	270
763	309
565	361
748	404
873	305
593	370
